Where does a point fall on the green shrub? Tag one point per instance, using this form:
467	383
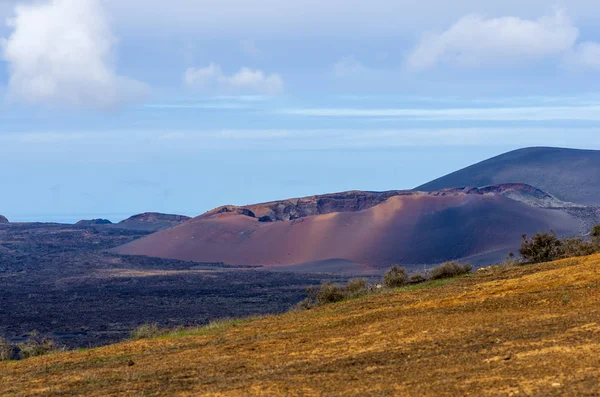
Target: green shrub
328	292
395	277
575	247
543	247
449	270
5	350
356	288
37	346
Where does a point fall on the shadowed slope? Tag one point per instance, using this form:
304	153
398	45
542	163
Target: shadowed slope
568	174
405	227
532	330
3	219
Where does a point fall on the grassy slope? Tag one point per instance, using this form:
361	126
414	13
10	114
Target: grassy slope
533	330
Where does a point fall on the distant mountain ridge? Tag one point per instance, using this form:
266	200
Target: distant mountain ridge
570	175
3	219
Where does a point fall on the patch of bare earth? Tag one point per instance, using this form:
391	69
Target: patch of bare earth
525	331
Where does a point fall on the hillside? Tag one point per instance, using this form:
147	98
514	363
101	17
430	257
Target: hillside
151	221
358	229
531	330
3	219
568	174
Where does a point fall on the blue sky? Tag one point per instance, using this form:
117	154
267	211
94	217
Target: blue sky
111	108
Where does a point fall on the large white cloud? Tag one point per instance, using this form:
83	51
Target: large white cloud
476	41
246	80
60	53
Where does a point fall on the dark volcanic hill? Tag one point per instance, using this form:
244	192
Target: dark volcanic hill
152	221
568	174
368	228
93	222
3	219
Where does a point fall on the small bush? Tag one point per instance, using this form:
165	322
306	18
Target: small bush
575	247
595	233
147	331
36	346
5	350
449	270
543	247
417	278
330	293
356	288
395	277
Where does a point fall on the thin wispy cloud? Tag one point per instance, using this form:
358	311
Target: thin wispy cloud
549	113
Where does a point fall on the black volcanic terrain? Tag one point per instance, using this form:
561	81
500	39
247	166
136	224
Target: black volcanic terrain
568	174
59	280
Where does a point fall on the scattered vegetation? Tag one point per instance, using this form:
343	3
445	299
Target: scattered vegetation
396	277
547	247
449	270
34	346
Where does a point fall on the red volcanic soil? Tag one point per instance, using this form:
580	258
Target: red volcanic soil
374	229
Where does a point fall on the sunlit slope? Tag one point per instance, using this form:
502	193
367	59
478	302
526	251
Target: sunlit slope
533	330
409	228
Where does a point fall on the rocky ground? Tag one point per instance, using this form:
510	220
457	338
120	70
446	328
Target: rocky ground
59	280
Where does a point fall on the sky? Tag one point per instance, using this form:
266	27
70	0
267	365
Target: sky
110	108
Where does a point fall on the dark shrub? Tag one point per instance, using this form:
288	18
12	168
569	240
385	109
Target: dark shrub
449	270
326	293
417	278
596	235
574	247
395	277
356	288
543	247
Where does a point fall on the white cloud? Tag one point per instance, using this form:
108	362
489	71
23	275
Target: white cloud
60	53
584	56
474	41
348	67
212	78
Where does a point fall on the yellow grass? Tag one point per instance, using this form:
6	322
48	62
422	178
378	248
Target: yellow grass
524	331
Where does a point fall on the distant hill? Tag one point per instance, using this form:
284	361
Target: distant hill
568	174
368	228
93	222
151	221
3	219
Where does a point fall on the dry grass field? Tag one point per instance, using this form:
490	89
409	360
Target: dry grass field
522	331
